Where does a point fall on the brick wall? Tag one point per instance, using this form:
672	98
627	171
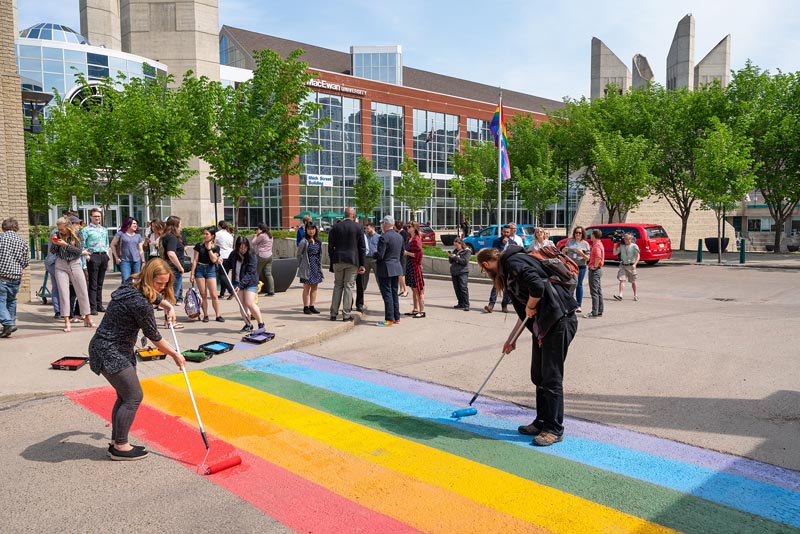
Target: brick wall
13	192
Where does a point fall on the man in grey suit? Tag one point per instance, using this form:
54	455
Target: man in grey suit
346	248
388	269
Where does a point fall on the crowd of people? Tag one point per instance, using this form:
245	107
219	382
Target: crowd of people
79	255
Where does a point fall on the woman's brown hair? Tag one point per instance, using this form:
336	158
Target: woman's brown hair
143	281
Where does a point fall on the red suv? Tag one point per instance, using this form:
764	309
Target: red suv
653	241
428	235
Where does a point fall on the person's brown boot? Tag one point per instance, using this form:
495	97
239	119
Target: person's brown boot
488	309
545	439
529	430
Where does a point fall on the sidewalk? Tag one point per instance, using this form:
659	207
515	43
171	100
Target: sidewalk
26	355
731	259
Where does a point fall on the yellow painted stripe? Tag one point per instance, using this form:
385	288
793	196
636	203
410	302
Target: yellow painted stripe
540	505
423	506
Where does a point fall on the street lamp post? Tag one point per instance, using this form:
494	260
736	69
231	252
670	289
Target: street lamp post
36	101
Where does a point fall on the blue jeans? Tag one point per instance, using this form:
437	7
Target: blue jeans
391	303
493	298
8	301
579	288
129	267
177	286
51	271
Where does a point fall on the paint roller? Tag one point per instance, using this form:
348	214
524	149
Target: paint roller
219	466
465	412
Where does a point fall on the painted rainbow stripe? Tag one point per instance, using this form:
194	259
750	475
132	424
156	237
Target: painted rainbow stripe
383	450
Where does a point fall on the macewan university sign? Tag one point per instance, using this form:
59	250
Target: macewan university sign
322	84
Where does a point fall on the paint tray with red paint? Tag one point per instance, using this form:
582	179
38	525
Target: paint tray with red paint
215	347
150	353
69	363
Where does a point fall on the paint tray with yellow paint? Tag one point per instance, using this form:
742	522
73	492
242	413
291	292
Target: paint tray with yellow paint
150	353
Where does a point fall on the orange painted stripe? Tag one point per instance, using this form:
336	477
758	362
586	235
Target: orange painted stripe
502	491
423	506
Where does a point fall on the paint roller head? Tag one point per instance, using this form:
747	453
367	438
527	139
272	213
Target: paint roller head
225	464
463	412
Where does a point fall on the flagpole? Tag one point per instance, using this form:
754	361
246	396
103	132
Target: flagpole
499	165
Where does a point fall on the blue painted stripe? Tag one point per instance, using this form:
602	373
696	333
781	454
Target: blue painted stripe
646	443
758	498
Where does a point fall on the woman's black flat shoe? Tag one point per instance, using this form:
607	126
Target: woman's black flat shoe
133	454
411	313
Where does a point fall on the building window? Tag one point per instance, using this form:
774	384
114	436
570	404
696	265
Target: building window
478	131
229	54
435	137
379	63
340	142
387	136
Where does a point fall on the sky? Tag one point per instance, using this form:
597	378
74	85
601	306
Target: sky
536	47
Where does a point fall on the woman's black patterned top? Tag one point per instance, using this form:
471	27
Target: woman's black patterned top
112	347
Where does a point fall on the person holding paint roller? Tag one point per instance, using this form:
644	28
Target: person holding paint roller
111	351
243	265
554	325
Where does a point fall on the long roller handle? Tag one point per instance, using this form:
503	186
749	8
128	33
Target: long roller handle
514	337
245	315
191	394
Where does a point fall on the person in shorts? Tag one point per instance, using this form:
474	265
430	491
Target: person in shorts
628	254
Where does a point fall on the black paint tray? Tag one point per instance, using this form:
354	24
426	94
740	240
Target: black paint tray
69	363
215	347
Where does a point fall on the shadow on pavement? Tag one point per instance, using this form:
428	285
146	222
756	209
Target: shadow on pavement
68	446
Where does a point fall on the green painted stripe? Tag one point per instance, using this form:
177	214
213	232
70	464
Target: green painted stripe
647	501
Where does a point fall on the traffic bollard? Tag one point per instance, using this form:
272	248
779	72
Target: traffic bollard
699	251
741	250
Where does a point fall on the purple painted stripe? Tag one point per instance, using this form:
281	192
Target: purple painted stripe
726	463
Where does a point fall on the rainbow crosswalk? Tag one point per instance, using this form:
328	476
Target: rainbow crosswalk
329	447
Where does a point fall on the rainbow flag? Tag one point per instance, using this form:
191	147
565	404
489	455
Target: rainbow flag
498	126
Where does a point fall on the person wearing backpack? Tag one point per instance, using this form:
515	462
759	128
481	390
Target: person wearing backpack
525	281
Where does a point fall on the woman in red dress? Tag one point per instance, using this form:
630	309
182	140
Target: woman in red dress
414	279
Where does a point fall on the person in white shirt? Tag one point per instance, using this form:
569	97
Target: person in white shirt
224	240
628	253
514	237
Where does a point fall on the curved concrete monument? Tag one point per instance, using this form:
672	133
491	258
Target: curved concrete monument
642	73
607	69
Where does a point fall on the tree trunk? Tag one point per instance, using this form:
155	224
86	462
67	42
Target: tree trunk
778	233
684	225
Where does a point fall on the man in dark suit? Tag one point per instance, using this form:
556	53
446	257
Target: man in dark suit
388	269
346	249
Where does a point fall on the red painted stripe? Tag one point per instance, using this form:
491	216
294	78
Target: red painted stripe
294	501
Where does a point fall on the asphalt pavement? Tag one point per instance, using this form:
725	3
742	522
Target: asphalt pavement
706	357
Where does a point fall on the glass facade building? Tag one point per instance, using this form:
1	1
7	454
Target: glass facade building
48	58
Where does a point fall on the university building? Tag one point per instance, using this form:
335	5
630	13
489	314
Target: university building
377	107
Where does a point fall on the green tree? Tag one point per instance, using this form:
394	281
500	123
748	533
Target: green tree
724	171
412	188
367	187
540	181
37	179
87	152
256	131
676	120
158	126
769	106
620	172
480	159
468	184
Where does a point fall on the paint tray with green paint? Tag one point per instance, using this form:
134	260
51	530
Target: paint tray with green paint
196	355
216	347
